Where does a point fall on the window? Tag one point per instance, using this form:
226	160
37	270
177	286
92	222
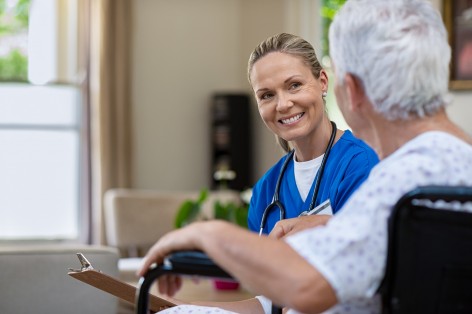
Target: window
40	125
328	10
14	18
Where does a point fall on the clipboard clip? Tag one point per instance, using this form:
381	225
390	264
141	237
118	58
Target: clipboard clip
84	262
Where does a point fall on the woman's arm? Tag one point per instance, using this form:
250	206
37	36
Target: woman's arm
265	266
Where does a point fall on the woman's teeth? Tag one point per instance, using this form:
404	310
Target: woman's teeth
292	119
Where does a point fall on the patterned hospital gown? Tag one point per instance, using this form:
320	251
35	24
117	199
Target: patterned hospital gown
350	251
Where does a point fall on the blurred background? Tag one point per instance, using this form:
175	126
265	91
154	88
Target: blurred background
142	94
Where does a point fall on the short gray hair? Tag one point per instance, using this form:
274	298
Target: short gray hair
398	49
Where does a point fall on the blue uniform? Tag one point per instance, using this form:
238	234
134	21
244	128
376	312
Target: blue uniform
347	166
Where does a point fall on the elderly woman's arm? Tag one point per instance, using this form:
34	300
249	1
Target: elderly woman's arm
265	266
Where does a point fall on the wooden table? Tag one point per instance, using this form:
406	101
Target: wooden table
198	289
204	290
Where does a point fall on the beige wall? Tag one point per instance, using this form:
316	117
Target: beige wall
183	51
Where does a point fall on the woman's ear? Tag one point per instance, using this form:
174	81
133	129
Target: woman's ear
323	80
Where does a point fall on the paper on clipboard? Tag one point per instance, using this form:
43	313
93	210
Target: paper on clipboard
116	287
322	209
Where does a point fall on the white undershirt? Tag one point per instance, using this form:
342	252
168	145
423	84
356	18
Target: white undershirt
305	173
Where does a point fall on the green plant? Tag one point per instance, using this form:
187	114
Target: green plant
328	11
231	212
191	210
14	67
14	20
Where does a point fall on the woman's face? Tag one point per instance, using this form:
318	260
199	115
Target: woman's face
288	96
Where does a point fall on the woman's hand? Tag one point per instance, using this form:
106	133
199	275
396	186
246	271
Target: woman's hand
287	227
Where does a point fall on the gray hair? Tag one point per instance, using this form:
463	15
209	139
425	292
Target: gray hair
398	49
289	44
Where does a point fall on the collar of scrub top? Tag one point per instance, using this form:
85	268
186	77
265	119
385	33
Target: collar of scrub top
275	199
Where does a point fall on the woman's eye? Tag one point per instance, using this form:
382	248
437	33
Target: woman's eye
266	96
295	85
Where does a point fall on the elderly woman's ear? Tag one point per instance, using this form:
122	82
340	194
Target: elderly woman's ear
355	92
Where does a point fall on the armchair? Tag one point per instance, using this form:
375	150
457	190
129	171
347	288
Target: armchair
33	279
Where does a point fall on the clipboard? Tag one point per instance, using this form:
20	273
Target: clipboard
116	287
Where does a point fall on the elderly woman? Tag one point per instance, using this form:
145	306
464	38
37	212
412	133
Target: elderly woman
391	61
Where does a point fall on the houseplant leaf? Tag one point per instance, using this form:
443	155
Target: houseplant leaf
221	211
241	214
203	196
189	210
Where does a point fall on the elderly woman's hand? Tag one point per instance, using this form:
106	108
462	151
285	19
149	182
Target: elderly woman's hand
177	240
287	227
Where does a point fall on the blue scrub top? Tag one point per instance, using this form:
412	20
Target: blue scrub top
348	165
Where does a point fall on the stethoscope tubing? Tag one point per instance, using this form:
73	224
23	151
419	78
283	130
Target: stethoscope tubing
275	199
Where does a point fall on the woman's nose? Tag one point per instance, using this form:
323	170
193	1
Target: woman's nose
284	103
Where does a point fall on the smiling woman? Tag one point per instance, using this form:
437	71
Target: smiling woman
290	87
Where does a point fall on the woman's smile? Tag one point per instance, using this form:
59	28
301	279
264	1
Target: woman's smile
291	120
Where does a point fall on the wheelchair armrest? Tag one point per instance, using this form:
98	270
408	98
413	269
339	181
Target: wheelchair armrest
182	263
195	263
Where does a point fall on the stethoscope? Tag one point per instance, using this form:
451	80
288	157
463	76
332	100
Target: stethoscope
275	199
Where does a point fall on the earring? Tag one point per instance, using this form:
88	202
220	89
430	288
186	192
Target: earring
324	94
